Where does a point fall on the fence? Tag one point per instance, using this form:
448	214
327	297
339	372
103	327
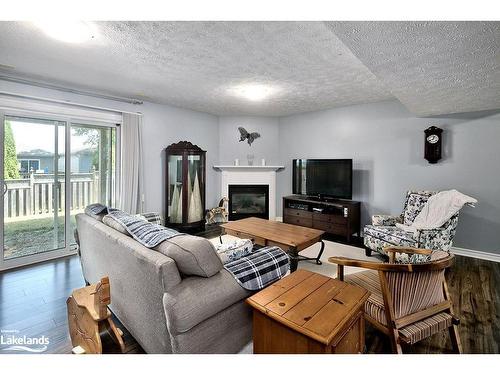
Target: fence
39	195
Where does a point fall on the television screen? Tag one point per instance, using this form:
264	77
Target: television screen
323	177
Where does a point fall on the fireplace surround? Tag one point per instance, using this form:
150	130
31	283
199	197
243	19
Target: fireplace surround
248	201
250	175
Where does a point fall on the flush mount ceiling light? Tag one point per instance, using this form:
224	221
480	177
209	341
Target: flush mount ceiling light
253	91
68	31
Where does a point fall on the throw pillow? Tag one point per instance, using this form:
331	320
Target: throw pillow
110	222
152	217
193	255
231	251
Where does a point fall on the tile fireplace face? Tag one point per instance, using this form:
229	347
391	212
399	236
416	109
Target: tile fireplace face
248	201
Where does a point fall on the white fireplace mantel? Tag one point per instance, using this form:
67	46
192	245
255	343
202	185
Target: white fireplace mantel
251	175
249	168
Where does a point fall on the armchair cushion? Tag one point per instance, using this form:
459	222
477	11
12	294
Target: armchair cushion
374	305
415	201
385	220
390	235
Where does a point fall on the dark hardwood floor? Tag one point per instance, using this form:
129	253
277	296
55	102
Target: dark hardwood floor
33	302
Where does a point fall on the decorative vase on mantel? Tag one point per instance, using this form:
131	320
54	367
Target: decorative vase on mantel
185	190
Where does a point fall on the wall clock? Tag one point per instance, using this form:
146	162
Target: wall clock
433	142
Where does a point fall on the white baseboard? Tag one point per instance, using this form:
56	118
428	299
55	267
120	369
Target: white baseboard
476	254
279	218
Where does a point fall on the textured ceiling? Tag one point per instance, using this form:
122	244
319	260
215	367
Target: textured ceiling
193	64
433	68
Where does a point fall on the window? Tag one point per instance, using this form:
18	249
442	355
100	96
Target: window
28	165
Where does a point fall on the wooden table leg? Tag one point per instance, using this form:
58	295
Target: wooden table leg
294	258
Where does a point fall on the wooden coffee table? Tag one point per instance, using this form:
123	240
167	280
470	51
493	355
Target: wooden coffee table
291	238
306	312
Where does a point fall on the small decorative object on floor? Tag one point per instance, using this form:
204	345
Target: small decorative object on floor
250	137
250	158
220	211
89	318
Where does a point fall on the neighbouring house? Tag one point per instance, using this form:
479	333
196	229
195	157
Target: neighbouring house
42	161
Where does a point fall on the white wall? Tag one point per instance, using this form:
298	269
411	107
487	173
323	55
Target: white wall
265	147
386	144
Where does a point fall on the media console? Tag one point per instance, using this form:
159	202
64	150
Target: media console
334	216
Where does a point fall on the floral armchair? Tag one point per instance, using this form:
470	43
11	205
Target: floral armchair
383	231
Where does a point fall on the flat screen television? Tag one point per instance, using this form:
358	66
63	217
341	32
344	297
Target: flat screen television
324	178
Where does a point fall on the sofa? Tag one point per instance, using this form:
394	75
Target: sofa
176	298
383	232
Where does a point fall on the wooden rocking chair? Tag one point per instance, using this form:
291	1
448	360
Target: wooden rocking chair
408	302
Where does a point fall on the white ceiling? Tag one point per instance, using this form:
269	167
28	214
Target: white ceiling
432	68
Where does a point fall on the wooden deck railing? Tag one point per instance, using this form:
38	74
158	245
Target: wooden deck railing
40	194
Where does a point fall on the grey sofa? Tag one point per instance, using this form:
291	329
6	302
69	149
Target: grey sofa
165	309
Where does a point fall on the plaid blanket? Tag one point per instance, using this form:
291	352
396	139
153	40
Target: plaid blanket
142	231
261	268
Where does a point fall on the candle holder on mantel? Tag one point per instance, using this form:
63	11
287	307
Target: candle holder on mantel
250	158
185	179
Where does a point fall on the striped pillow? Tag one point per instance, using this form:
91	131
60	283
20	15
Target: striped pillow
152	217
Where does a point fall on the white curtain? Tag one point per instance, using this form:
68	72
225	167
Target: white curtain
131	177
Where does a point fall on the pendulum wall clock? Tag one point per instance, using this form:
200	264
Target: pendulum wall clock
433	144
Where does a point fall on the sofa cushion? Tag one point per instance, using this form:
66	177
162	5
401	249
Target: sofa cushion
193	255
196	300
111	222
391	235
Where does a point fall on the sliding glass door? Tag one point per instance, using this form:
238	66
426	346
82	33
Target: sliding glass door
51	170
93	168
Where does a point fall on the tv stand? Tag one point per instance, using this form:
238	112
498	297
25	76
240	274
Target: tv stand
334	216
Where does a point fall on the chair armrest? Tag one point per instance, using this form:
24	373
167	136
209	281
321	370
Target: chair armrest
392	250
407	250
385	220
378	266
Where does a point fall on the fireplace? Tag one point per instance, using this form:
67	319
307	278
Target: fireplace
248	201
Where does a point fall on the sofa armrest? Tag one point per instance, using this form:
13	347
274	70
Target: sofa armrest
385	220
196	299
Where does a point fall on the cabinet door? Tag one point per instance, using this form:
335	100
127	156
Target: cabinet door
195	188
175	188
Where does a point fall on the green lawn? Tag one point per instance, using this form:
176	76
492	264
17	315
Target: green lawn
33	236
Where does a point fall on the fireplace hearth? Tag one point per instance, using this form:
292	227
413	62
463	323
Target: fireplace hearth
248	201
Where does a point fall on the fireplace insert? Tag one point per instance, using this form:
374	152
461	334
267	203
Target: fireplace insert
248	201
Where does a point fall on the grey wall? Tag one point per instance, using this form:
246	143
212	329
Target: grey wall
385	142
265	147
163	125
